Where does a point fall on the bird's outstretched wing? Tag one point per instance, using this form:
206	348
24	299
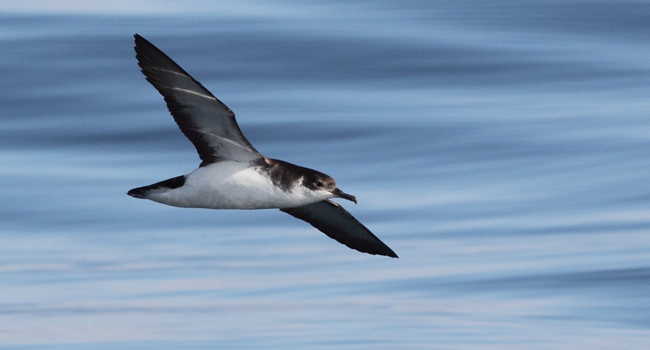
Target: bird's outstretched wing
206	121
337	223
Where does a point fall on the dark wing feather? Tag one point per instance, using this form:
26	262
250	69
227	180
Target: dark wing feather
206	121
337	223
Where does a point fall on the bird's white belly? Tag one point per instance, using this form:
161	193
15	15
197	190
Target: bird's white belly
231	185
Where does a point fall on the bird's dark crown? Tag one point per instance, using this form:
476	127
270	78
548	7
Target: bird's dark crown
286	175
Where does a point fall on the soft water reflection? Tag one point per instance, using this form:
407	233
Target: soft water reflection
499	148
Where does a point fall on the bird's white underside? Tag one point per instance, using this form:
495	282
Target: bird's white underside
235	185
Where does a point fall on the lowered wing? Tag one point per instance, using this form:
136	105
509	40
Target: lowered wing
337	223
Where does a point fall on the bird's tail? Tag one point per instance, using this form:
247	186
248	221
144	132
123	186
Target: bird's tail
142	192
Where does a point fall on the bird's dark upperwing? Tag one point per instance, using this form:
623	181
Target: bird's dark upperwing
337	223
204	120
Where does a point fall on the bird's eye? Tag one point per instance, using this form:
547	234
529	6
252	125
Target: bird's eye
319	183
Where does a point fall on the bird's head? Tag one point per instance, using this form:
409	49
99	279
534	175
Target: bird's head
325	186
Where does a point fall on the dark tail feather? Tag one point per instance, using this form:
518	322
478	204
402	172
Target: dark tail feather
141	192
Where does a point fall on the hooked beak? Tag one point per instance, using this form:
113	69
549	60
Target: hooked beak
338	193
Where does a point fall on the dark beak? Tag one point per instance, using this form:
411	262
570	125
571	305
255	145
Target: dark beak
338	193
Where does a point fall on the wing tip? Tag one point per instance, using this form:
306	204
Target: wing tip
391	254
139	39
382	250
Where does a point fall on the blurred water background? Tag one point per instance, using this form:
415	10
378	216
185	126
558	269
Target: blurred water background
501	148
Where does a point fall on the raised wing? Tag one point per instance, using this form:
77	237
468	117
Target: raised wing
337	223
206	121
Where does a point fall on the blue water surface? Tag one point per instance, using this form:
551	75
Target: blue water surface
500	148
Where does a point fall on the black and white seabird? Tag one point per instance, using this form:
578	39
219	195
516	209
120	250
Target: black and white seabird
232	173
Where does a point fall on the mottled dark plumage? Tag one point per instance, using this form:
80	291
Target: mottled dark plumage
285	174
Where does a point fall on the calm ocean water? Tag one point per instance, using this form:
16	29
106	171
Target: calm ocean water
502	149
